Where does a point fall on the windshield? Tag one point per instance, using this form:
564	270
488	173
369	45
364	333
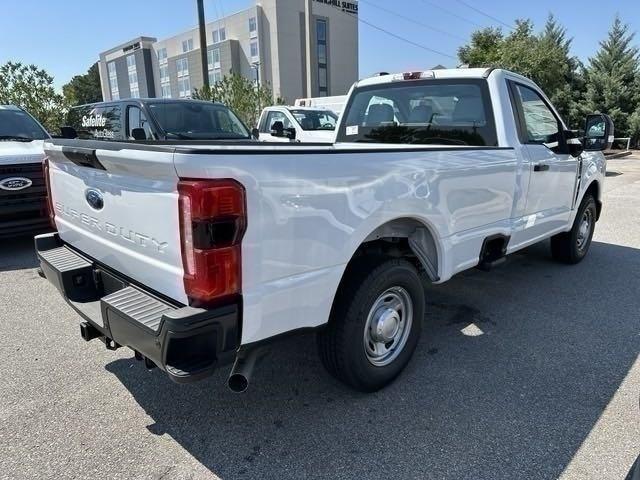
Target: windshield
197	121
18	125
315	119
441	112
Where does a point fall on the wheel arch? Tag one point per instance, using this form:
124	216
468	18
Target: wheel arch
595	190
408	237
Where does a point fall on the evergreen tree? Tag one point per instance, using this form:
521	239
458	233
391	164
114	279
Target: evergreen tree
85	88
32	88
568	89
545	58
612	80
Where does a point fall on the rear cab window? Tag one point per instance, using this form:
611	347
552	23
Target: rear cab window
97	122
423	112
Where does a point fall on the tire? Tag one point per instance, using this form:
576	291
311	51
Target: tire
350	347
572	246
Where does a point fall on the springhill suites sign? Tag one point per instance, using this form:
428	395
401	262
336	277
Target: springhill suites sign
348	7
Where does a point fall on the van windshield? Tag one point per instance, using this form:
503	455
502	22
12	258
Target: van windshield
197	121
439	112
19	126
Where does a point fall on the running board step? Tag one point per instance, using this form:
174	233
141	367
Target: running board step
73	273
136	306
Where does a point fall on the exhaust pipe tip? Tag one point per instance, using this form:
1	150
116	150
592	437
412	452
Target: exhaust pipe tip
242	370
238	383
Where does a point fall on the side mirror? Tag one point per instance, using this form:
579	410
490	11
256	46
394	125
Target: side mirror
277	129
68	132
255	133
573	144
598	132
139	134
290	133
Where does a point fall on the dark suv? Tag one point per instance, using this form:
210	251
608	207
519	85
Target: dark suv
155	119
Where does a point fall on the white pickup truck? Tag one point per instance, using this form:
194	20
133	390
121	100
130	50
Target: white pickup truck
296	124
194	254
23	203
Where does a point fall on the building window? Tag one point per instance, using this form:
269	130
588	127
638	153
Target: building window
164	73
162	55
163	66
187	45
184	84
213	57
219	35
184	87
321	44
182	65
215	76
253	27
165	90
113	80
133	77
254	50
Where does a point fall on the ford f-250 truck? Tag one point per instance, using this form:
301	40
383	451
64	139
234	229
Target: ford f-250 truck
23	203
195	254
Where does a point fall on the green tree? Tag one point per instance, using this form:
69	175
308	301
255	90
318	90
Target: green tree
565	92
239	94
85	88
544	57
612	80
32	89
484	48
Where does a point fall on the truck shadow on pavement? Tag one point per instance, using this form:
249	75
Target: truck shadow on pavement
513	370
17	253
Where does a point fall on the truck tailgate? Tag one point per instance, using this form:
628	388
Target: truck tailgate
121	211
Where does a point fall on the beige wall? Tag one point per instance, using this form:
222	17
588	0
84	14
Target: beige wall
281	44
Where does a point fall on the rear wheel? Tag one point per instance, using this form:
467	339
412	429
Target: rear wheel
375	323
572	246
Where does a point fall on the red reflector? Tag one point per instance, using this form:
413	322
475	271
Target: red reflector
47	182
212	223
411	75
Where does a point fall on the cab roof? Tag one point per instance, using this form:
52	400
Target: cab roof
149	100
443	73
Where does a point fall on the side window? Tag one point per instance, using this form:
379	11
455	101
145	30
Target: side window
277	117
540	123
137	119
97	123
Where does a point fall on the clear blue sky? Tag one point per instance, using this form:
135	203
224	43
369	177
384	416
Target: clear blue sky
65	37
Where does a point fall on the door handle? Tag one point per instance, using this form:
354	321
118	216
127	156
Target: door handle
540	167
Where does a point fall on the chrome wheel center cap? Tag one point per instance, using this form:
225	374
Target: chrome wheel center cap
385	326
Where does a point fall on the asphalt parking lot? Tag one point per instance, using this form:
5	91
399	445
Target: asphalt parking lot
547	387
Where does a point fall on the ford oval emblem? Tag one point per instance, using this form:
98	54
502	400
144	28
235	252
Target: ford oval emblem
15	183
94	198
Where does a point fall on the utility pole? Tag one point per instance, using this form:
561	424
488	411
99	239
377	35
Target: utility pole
203	44
307	25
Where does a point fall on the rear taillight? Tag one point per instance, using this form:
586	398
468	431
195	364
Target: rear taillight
47	182
212	222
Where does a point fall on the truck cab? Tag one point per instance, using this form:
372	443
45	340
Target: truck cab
297	124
